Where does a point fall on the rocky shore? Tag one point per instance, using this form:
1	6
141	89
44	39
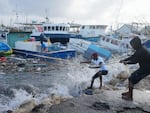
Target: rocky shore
103	101
107	100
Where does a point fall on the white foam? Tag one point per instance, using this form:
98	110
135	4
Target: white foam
20	97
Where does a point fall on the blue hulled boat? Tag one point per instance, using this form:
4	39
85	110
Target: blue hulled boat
22	44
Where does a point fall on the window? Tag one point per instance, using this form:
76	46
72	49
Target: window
45	28
60	28
63	28
49	28
53	28
56	28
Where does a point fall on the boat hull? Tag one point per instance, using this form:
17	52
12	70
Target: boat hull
99	50
62	54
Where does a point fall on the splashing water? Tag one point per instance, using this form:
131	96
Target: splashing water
69	80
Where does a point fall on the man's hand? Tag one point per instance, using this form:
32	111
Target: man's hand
124	62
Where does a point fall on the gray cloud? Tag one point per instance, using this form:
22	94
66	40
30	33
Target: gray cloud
77	10
54	8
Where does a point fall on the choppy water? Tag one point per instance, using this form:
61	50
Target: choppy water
69	80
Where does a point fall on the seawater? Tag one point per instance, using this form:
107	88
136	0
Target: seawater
69	80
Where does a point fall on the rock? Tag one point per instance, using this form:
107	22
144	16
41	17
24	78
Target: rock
56	99
21	69
3	64
104	102
123	75
21	64
47	101
114	81
26	107
38	108
9	111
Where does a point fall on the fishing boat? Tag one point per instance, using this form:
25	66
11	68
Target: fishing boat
23	44
79	45
87	48
92	32
57	32
114	44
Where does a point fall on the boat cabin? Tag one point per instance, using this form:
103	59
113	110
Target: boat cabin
57	32
92	30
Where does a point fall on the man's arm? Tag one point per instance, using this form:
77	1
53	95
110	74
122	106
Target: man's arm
96	66
131	60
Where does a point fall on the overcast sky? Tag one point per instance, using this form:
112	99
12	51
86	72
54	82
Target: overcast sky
77	11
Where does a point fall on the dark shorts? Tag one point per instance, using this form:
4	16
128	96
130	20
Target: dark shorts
43	46
138	75
99	73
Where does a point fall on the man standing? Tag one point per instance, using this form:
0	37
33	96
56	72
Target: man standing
42	40
142	57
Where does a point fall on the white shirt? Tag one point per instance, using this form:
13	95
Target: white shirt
98	61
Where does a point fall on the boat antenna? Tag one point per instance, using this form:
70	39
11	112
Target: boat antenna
118	13
47	19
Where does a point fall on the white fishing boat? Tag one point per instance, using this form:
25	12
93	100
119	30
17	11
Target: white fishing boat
79	45
115	44
87	48
92	32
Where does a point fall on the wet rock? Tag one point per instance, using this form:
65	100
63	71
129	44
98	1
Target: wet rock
104	102
37	108
114	81
3	64
100	106
21	64
57	99
9	111
26	107
123	75
21	69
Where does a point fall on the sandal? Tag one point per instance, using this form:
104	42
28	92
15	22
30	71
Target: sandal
125	93
89	88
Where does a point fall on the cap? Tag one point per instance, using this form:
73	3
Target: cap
94	54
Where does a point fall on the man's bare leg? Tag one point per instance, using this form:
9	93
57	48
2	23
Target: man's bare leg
128	95
91	86
100	78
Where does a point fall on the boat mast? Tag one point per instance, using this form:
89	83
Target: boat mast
118	13
46	17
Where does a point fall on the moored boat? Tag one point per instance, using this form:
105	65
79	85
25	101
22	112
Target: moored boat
22	44
114	44
92	32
